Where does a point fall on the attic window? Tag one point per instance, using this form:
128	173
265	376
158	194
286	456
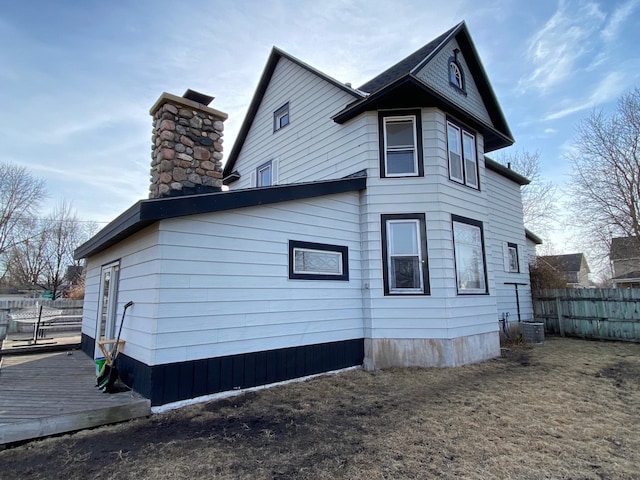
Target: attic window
456	75
281	117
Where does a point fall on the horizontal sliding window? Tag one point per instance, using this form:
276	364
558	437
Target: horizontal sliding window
318	261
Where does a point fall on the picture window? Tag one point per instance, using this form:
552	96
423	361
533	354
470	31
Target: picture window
317	261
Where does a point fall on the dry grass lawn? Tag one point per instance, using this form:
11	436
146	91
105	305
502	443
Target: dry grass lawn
567	409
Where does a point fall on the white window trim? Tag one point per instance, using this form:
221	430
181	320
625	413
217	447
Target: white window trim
397	118
472	157
472	224
507	247
459	145
390	256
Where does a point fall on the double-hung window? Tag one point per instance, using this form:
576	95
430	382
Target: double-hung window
463	162
468	243
400	144
404	252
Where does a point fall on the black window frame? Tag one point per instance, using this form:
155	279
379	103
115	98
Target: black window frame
478	224
426	285
278	114
462	129
417	116
342	249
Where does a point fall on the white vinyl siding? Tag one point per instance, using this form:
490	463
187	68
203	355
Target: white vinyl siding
224	289
505	226
313	146
138	281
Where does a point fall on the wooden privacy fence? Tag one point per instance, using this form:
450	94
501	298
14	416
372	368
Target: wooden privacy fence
605	313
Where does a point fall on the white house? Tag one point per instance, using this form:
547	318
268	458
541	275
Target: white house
362	226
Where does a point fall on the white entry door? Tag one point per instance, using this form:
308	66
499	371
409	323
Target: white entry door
107	303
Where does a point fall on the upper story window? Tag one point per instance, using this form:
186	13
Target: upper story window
510	253
456	74
463	162
400	144
404	252
468	248
266	174
281	117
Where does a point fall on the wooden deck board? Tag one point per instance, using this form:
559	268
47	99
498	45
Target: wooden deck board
50	393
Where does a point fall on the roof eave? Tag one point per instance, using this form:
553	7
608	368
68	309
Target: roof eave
147	212
506	172
495	140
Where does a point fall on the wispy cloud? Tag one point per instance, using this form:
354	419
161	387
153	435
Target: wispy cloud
555	49
617	18
609	88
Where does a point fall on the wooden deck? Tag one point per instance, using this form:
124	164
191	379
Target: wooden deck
45	394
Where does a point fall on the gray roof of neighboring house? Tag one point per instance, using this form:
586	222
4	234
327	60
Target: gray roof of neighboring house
624	247
565	263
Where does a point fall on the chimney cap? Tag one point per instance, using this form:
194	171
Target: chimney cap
197	97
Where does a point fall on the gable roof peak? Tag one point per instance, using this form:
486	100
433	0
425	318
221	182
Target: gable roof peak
413	62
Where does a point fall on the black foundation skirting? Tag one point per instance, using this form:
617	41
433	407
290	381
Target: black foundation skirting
173	382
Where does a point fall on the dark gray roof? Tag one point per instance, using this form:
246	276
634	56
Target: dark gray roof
570	262
406	65
624	247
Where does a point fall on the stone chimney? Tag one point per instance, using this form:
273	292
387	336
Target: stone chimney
186	151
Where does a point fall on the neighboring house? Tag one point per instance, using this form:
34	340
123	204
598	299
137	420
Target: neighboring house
572	268
625	261
362	227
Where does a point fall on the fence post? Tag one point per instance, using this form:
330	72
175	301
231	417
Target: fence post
559	313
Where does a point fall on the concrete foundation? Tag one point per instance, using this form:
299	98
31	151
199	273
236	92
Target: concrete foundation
430	352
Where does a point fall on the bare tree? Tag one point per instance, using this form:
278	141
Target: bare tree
540	196
43	259
20	196
606	174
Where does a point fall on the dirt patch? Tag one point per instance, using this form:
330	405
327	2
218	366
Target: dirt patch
565	409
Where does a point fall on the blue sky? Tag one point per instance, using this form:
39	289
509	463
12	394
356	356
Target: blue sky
77	77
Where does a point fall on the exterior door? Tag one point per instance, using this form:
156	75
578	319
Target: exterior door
107	303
